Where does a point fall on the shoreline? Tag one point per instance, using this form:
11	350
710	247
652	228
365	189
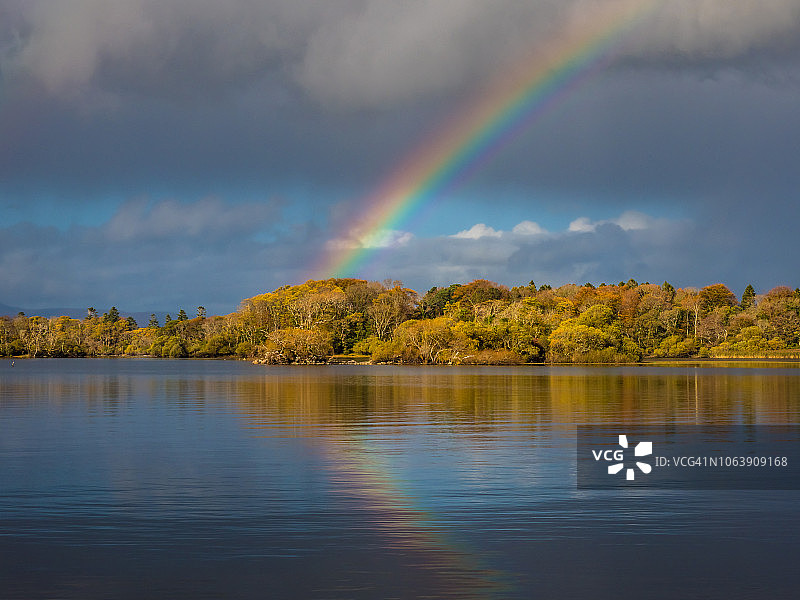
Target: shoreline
345	361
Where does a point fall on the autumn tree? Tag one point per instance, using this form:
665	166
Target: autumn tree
780	312
481	322
431	339
360	295
391	308
318	309
716	296
689	300
713	327
647	328
301	345
480	290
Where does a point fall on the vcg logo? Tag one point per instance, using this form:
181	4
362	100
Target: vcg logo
618	457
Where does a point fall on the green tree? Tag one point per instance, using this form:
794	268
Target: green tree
436	299
112	316
182	316
593	336
647	329
201	312
748	297
572	339
153	324
669	291
174	348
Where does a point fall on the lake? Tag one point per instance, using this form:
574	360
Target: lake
146	478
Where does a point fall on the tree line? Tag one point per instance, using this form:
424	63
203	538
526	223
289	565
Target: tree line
480	322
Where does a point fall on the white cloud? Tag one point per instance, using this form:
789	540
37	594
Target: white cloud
631	220
385	238
381	238
479	230
528	228
629	245
582	224
628	221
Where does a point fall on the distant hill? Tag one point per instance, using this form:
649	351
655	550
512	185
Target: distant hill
10	311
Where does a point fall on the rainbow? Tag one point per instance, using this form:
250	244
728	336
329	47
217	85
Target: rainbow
361	465
508	107
355	463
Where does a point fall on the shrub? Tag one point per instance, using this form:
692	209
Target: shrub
391	351
244	349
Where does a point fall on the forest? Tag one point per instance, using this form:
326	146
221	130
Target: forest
481	322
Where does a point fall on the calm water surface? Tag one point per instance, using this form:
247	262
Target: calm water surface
210	479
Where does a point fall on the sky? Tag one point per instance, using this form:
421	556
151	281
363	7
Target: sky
164	155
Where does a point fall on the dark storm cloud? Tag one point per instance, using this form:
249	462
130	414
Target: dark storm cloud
164	49
256	141
130	95
356	52
102	101
643	133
